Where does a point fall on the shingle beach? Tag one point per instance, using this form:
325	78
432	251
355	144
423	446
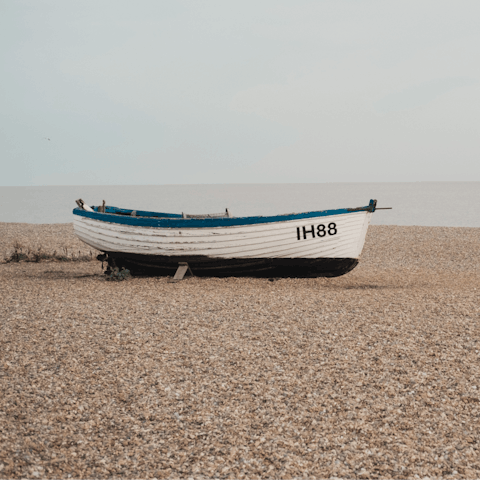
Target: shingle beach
375	374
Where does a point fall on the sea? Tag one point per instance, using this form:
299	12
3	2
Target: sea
449	204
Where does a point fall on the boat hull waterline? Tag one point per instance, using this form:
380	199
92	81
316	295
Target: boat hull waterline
312	244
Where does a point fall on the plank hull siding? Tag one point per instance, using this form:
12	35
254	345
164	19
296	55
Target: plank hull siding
251	248
326	245
187	236
259	241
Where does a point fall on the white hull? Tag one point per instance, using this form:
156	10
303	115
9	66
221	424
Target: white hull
275	240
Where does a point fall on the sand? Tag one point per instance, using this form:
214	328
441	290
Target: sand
375	374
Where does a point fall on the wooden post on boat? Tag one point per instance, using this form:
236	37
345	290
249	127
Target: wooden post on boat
182	269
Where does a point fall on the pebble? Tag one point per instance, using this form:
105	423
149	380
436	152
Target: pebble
371	375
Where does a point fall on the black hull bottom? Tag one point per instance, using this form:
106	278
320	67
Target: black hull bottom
218	267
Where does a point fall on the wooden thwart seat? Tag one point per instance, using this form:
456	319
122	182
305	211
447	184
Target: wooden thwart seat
208	215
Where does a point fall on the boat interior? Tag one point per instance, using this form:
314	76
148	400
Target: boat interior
141	213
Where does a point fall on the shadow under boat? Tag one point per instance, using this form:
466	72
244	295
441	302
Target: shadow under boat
159	265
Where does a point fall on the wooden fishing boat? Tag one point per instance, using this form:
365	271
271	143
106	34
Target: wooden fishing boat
319	244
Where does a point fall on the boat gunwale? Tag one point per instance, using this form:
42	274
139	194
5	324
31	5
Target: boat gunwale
176	221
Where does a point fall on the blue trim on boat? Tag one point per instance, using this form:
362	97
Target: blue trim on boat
168	220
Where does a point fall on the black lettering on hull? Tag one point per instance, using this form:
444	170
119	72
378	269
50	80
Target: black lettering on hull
322	231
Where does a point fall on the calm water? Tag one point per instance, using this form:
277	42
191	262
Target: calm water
453	204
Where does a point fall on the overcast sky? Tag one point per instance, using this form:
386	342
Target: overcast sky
158	92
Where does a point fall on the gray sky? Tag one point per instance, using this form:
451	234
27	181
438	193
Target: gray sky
157	92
